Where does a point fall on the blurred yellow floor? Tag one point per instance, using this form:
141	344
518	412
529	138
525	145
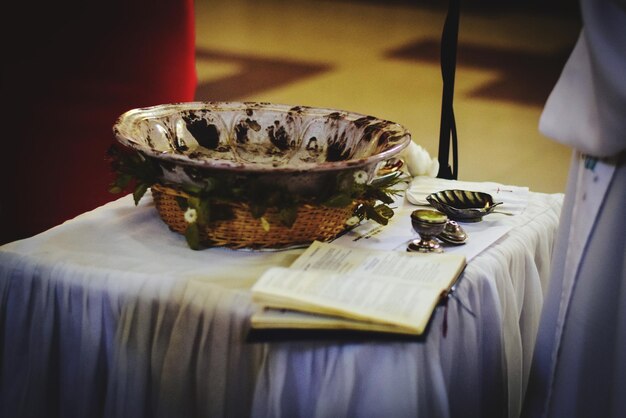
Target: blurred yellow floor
381	58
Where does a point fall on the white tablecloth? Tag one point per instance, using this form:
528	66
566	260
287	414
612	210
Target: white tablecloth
110	314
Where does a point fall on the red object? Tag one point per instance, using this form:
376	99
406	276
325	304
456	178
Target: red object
70	74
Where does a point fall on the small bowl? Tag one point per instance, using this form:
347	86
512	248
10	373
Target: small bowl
463	205
428	224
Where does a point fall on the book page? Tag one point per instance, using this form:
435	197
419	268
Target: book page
387	287
385	300
434	269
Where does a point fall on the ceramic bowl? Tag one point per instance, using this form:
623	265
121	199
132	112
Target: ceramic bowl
463	205
299	147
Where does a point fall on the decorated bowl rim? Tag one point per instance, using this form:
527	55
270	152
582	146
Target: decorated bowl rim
126	120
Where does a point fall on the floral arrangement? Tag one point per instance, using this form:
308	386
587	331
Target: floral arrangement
209	199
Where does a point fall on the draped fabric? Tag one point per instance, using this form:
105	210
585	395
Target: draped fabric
110	314
579	365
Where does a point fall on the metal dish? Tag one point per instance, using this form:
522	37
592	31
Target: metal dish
428	224
453	233
463	205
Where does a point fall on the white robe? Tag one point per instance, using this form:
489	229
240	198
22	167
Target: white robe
579	364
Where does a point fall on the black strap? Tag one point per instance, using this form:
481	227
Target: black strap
447	129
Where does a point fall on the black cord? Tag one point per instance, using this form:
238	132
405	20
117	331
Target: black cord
449	39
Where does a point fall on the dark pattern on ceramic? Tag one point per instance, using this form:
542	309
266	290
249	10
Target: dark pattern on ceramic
283	143
463	205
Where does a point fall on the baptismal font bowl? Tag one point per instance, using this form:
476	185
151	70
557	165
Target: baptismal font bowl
251	174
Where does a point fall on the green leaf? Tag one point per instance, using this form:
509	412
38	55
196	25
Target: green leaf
140	190
257	209
346	185
238	192
204	211
192	189
210	184
273	198
385	211
338	201
288	215
380	195
123	180
378	213
194	202
192	235
115	189
388	181
182	203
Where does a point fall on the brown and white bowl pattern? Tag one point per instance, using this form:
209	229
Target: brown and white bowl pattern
297	146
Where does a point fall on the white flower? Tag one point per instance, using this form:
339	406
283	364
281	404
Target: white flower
360	177
419	162
191	215
353	221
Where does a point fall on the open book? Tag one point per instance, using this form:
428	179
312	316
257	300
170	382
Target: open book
334	287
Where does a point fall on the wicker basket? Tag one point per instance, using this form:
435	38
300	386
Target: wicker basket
314	222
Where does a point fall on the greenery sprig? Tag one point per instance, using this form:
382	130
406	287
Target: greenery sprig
209	200
132	169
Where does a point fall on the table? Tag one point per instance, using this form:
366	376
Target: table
110	314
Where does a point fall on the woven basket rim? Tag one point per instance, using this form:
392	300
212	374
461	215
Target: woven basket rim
314	222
